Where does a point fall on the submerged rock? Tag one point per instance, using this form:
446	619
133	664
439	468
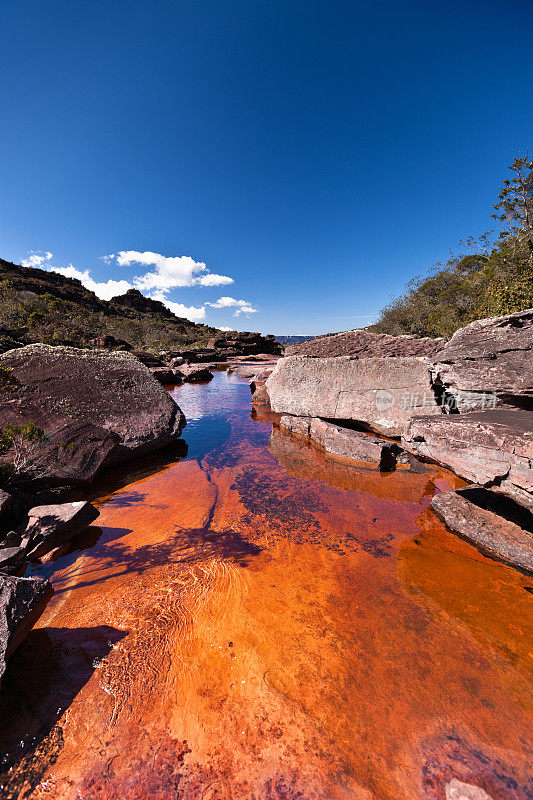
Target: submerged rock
485	519
112	391
384	393
343	441
491	448
22	601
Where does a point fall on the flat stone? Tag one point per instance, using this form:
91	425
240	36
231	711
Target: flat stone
51	526
384	393
491	448
22	601
342	441
490	522
457	790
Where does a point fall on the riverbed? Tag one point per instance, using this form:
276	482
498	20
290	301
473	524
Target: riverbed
254	620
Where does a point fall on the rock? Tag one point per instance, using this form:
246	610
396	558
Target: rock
148	359
112	391
11	555
343	441
177	361
489	356
492	448
383	393
364	344
6	501
166	375
22	601
193	374
108	342
496	527
49	527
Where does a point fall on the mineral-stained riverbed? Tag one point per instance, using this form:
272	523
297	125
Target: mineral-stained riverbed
257	621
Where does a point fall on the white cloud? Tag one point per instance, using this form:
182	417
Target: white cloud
169	272
37	260
193	313
241	306
225	328
212	279
104	290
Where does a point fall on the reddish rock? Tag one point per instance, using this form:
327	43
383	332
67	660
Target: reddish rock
166	375
112	391
477	514
383	393
364	344
490	356
491	448
343	441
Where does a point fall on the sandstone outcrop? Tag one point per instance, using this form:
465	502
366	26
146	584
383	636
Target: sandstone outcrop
343	441
22	601
111	391
489	357
383	393
493	448
364	344
478	515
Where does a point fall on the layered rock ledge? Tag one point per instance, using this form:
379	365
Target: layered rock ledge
383	393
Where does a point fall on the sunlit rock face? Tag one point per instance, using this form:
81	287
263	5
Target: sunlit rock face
383	393
490	356
259	621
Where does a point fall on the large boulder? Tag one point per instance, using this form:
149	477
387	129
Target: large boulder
364	344
113	391
492	448
383	393
478	515
343	441
489	357
22	601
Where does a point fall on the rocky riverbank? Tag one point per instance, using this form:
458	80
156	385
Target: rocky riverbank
66	414
465	404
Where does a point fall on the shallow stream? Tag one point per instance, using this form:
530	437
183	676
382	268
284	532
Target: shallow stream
257	621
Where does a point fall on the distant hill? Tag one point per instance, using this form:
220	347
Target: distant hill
59	310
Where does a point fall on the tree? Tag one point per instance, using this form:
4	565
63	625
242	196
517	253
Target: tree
515	206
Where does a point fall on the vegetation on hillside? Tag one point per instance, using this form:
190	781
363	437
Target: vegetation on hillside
490	276
56	320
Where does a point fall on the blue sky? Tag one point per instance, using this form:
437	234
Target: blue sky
316	154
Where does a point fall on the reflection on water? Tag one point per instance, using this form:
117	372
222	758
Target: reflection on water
257	620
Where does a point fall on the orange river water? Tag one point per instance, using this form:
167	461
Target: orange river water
257	621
